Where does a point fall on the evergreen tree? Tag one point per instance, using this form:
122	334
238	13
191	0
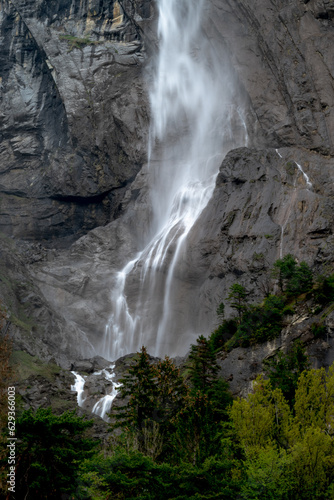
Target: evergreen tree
139	390
171	396
193	429
238	298
171	391
284	270
222	334
202	365
284	370
221	311
301	281
324	290
49	450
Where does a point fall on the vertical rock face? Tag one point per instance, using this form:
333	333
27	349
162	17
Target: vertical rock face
73	113
282	53
74	122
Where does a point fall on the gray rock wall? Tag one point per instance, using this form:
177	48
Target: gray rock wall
281	51
74	122
73	114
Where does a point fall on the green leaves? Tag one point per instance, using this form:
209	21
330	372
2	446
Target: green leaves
284	370
289	452
202	364
50	447
238	298
259	323
292	278
133	476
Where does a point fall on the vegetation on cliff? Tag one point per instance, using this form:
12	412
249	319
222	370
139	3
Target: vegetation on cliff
294	287
178	433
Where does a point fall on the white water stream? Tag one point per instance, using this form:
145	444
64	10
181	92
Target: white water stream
193	107
78	387
103	405
288	207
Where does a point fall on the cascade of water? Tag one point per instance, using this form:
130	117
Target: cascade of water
306	177
192	108
78	387
102	407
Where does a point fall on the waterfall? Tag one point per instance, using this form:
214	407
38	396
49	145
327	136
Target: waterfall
195	120
306	177
78	387
102	407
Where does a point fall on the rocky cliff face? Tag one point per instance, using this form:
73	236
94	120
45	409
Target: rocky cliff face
73	114
74	123
281	52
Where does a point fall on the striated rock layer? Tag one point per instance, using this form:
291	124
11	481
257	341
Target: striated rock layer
73	114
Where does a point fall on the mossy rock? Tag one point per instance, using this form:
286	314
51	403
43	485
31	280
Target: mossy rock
25	365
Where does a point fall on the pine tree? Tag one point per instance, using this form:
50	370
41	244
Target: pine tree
48	453
139	390
202	365
238	298
284	370
284	270
171	390
301	281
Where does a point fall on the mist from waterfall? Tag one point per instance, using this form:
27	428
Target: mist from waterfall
195	120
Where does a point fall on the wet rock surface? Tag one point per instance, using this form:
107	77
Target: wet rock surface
74	124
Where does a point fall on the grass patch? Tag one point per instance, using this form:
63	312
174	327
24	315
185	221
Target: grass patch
25	365
78	43
25	324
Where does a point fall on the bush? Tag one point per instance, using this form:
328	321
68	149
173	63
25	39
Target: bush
259	323
318	330
301	280
292	279
222	334
324	290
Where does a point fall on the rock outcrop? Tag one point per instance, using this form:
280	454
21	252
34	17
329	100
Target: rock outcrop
74	126
281	52
73	114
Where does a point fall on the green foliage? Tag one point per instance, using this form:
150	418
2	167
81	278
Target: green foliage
301	281
318	330
222	334
268	475
324	290
154	395
221	311
292	279
76	42
133	476
238	298
284	269
50	448
284	370
263	322
259	323
139	387
202	366
261	419
289	454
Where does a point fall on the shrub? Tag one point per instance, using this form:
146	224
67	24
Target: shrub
259	323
